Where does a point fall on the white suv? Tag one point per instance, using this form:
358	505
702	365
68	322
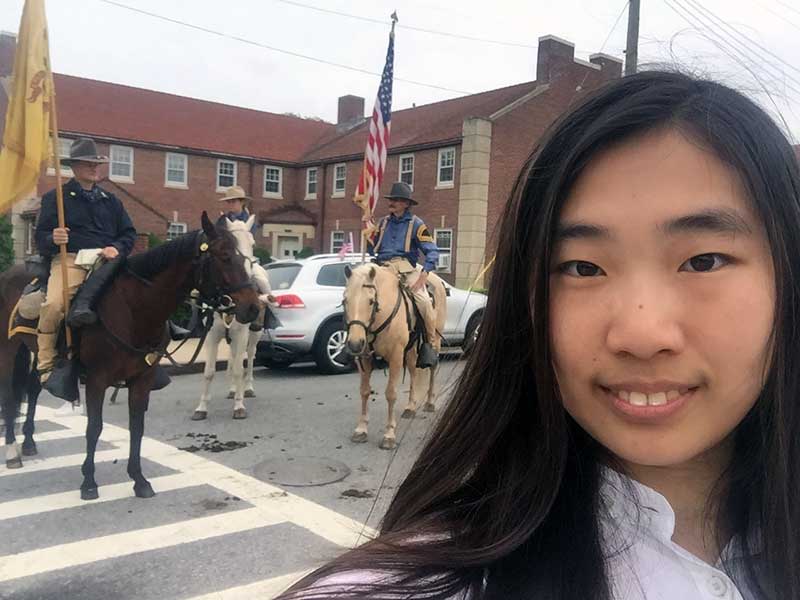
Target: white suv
309	295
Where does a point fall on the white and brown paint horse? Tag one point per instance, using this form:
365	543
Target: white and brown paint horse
242	340
380	318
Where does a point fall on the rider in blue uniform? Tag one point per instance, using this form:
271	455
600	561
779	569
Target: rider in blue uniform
398	241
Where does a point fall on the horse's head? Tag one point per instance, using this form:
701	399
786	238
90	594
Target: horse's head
245	242
360	305
224	271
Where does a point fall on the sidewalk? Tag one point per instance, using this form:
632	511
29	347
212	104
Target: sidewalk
184	354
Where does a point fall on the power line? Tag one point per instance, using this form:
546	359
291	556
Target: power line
777	14
789	6
727	25
409	27
722	43
275	49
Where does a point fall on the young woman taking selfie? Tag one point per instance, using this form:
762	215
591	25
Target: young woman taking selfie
628	426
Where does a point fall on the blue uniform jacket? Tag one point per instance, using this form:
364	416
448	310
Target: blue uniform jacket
95	218
241	216
393	239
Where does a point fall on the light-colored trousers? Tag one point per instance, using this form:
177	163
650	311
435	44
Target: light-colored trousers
52	311
408	276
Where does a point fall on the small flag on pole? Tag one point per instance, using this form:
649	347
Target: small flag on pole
25	141
380	126
346	248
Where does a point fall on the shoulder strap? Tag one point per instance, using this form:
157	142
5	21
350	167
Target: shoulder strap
412	226
381	231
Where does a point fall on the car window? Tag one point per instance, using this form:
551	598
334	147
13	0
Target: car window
282	276
332	275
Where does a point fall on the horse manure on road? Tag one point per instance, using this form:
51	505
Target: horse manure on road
354	493
209	443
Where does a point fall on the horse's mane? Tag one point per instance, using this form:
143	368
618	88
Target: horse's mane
154	261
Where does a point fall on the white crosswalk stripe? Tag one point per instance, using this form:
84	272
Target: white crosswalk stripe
263	506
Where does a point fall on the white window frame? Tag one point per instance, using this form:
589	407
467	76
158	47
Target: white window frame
181	229
63	152
445	184
400	168
312	195
444	266
184	185
30	235
120	178
333	235
279	193
222	188
339	193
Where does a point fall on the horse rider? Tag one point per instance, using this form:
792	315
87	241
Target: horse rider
235	200
94	219
396	243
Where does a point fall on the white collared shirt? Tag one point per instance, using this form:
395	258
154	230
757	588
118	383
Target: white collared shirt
644	563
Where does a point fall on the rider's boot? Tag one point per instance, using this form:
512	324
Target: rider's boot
81	312
427	357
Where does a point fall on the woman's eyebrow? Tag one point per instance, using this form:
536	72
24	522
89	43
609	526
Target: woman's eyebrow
712	220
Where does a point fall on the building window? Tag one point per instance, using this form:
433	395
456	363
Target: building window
444	241
311	183
446	173
226	174
339	180
175	230
30	232
273	182
63	152
121	164
407	169
337	241
175	170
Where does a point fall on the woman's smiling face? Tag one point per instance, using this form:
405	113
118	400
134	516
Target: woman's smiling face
661	300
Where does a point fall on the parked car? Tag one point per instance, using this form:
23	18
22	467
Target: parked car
309	295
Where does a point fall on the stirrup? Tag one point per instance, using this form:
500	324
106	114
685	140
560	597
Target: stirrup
427	357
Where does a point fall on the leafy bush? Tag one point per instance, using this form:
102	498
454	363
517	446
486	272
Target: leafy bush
263	255
6	244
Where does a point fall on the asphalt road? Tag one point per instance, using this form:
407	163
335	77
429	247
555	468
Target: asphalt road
242	507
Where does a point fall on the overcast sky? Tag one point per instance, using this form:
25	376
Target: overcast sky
95	39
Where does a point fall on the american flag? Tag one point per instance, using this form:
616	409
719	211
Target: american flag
380	126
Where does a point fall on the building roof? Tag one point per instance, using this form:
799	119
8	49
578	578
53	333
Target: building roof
113	110
427	124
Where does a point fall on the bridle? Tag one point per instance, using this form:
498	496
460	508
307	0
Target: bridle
218	297
369	332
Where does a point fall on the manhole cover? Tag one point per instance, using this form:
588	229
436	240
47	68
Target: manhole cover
301	471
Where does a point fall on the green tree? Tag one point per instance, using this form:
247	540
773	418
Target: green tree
263	255
6	244
305	252
153	240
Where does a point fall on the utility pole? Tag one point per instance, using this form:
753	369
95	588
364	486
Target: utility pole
632	48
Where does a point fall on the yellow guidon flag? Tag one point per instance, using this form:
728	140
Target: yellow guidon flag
25	146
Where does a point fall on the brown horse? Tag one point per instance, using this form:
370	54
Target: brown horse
380	319
129	334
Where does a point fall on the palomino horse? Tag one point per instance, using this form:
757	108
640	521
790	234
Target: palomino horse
242	340
130	333
379	318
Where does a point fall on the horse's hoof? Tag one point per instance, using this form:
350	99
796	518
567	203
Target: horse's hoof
14	463
388	443
89	493
199	415
240	413
230	395
429	407
144	490
359	437
249	394
29	449
408	414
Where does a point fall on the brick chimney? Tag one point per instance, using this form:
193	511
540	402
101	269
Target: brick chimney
351	111
8	44
554	56
610	66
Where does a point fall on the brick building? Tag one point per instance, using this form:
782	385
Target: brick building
171	157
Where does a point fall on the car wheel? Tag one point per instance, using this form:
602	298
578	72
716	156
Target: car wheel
329	352
471	335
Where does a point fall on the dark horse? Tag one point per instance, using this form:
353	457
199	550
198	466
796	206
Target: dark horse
132	316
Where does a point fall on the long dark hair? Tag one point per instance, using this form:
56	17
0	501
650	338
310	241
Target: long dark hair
503	500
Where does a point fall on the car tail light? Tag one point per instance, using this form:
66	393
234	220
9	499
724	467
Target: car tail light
290	301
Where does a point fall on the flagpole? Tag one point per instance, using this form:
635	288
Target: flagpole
60	209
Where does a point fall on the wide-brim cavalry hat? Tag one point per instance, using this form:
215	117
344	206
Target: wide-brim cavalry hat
401	191
235	192
84	150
